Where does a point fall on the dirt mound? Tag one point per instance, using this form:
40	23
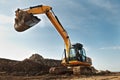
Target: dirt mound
37	58
52	62
48	62
35	65
28	67
6	65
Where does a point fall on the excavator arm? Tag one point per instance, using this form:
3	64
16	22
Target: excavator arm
40	9
74	54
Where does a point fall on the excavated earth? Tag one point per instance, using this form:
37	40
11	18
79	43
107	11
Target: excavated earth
35	65
37	68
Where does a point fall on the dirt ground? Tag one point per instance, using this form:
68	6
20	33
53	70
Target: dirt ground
37	68
115	76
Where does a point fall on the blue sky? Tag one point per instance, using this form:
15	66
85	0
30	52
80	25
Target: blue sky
94	23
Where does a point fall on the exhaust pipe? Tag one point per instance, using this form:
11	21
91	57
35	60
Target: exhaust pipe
24	20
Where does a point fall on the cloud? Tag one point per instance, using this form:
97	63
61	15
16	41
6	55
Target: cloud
3	1
44	21
106	4
102	3
2	32
12	51
5	19
111	48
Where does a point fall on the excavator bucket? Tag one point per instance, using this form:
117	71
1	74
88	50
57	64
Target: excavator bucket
24	20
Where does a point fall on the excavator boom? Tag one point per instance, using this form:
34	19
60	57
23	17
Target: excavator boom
28	20
74	54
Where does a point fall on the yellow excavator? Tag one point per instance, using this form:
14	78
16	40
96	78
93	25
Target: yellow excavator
74	54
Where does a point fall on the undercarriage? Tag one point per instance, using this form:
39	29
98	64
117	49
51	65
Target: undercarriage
77	70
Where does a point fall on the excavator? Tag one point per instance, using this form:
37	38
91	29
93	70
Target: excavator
75	58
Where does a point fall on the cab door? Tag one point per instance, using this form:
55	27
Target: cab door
83	54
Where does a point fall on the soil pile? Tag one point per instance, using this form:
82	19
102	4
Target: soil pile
6	65
35	65
28	67
48	62
37	58
52	62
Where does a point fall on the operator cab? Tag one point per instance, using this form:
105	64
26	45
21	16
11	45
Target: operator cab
77	57
77	52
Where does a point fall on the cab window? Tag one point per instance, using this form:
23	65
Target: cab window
72	54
